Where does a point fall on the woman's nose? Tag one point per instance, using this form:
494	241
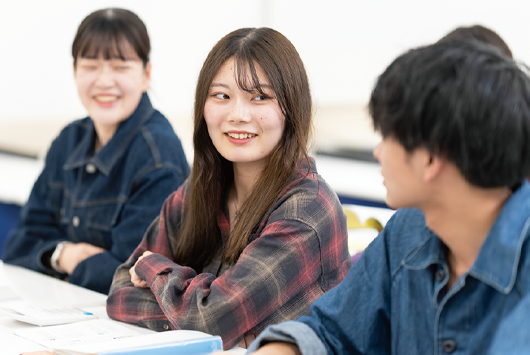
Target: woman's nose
105	77
240	113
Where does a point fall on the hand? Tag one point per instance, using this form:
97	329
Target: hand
135	279
74	253
278	348
245	342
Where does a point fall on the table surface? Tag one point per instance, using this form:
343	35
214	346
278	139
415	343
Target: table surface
32	286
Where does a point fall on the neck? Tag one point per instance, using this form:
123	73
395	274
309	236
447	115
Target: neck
462	217
103	135
245	177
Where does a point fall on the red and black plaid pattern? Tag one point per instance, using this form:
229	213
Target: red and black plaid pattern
299	252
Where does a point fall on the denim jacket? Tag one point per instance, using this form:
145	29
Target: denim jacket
395	299
107	199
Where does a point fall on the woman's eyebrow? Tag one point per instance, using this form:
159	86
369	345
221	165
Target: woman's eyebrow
264	86
219	84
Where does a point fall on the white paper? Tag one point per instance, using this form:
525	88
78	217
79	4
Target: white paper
68	335
43	314
14	345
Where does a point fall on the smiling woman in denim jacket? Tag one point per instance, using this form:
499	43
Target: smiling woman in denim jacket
107	175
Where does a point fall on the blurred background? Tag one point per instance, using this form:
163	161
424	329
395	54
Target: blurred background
344	45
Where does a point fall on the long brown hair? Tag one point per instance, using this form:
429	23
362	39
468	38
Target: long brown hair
211	175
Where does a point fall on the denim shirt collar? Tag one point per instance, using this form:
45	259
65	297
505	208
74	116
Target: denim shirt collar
498	258
105	159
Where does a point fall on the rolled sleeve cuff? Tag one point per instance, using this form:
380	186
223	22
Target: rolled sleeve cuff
290	332
152	265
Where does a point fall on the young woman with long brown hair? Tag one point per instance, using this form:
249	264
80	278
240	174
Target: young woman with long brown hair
255	235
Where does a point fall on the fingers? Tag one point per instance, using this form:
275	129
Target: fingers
146	253
89	250
136	280
246	341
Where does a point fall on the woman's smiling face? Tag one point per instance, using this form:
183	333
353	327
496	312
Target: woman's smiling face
245	127
110	89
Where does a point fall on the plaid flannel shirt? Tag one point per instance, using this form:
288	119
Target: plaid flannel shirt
299	252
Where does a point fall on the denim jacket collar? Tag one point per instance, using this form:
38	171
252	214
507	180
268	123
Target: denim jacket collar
498	259
430	251
105	159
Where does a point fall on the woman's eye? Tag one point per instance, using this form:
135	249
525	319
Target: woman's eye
260	98
222	96
89	67
122	67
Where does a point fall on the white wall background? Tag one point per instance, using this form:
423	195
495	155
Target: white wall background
344	44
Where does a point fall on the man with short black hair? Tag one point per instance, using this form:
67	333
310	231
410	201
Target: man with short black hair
455	260
481	34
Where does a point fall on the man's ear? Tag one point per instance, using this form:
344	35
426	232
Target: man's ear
434	165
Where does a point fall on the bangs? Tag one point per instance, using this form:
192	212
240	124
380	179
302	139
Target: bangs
112	34
106	45
246	75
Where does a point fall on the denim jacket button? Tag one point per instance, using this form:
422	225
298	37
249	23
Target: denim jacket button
75	221
166	326
90	168
448	346
439	275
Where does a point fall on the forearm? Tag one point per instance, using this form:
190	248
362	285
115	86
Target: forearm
134	305
95	272
30	252
279	348
291	337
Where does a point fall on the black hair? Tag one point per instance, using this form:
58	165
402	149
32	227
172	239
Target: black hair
111	33
462	100
481	34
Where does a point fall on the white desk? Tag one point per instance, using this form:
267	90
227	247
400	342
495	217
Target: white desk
29	285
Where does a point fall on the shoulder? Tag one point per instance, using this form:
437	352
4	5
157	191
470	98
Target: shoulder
160	130
175	204
523	273
405	233
68	139
155	145
309	200
72	133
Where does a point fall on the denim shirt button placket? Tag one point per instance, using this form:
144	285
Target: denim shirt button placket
448	346
439	275
90	168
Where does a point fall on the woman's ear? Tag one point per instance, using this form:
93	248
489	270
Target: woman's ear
147	77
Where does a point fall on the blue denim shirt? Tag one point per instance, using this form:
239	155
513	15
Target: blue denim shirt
513	335
107	199
395	300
